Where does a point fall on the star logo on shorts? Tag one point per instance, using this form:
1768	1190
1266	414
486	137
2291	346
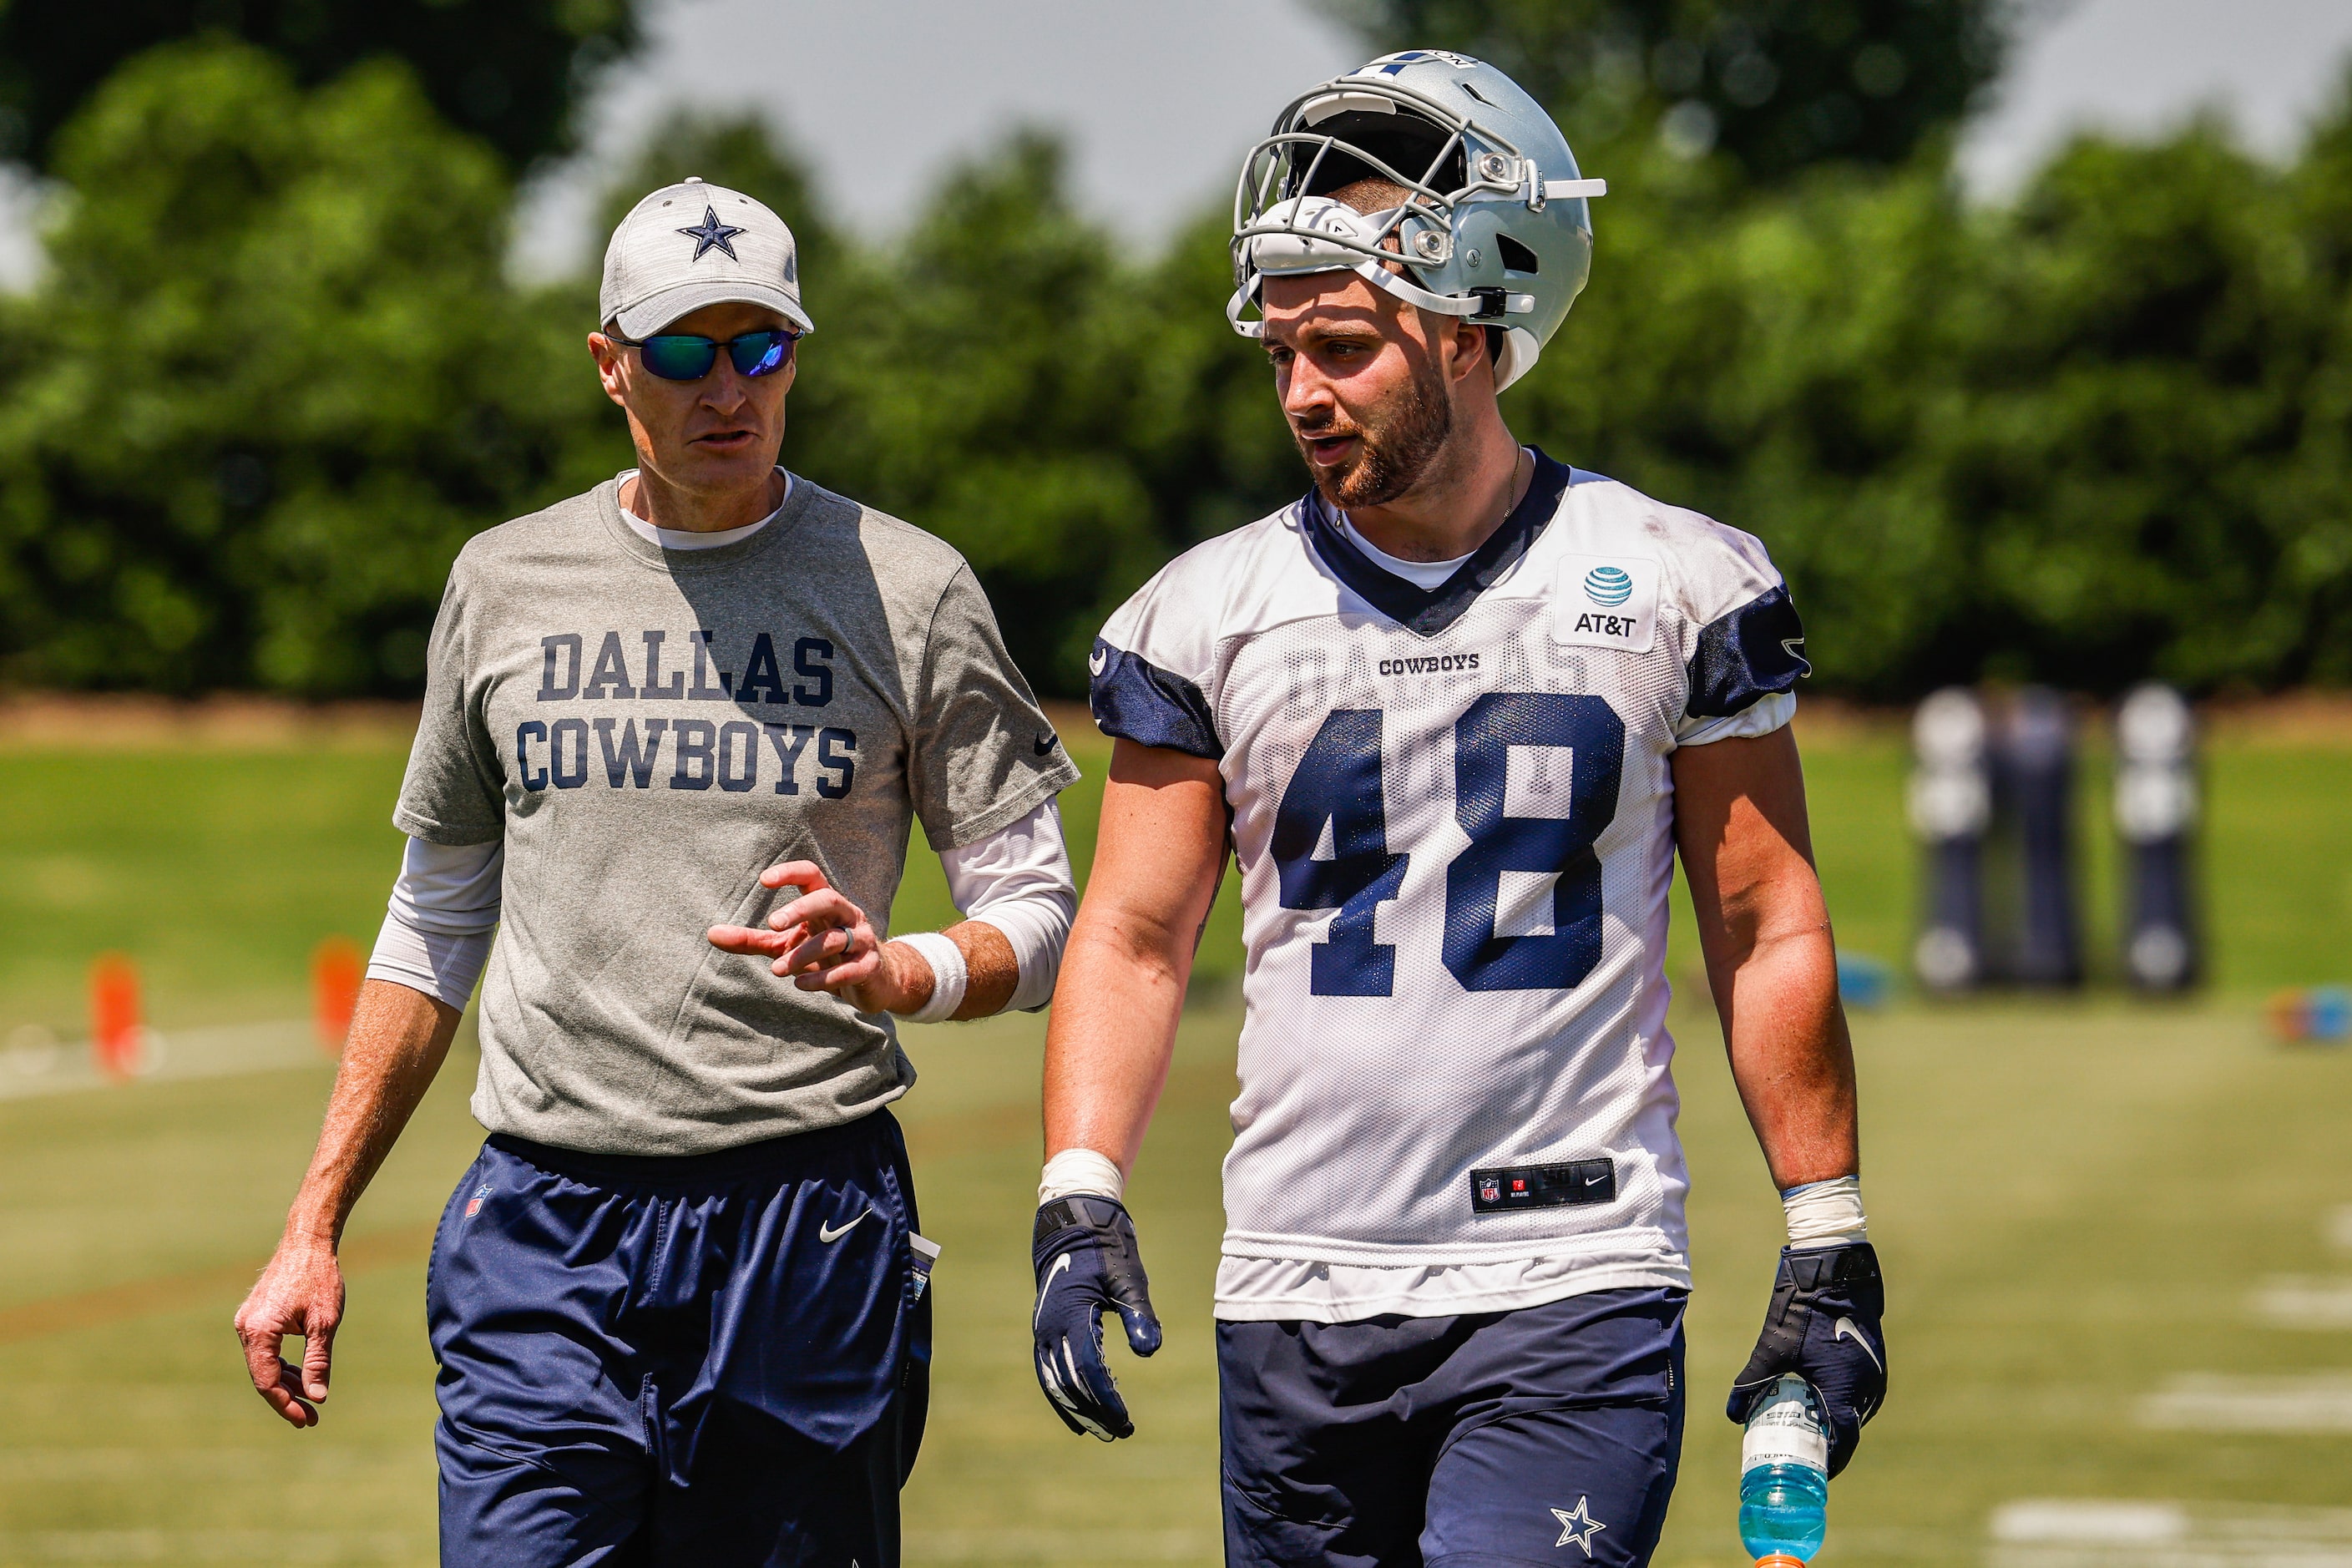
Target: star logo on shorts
1576	1524
711	234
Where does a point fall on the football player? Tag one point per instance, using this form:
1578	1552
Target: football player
1454	711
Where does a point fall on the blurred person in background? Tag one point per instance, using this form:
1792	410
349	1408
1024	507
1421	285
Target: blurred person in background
675	732
1454	712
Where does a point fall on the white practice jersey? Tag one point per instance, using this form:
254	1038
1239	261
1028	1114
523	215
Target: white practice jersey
1452	817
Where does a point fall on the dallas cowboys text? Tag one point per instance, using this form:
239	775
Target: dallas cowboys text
732	755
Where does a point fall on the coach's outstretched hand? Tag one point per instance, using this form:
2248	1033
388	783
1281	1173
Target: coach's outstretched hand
825	942
1824	1326
1087	1264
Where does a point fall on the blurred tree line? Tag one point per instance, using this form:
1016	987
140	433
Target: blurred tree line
275	373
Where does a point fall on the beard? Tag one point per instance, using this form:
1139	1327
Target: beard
1396	445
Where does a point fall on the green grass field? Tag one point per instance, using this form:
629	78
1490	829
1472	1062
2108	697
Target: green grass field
2079	1205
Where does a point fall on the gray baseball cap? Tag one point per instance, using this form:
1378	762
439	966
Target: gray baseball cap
691	244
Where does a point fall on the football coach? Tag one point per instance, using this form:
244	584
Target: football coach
676	731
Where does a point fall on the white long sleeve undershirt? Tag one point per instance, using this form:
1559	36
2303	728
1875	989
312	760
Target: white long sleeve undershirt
444	908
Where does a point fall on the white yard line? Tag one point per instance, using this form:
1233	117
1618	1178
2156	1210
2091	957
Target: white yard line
39	1069
2312	1402
46	1467
242	1546
2297	1303
2084	1533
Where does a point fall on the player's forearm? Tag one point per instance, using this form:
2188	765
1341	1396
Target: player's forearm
398	1040
1157	858
1114	1029
1792	1057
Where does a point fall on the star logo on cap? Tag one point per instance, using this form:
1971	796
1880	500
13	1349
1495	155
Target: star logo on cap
710	234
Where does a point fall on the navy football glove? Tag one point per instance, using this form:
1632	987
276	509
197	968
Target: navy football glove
1087	1264
1823	1325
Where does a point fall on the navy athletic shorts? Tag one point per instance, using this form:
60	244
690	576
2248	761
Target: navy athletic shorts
710	1359
1548	1434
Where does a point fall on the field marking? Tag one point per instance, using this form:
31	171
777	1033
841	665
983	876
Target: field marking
213	1546
170	1292
69	1466
30	1069
2090	1520
2086	1533
2207	1402
2295	1303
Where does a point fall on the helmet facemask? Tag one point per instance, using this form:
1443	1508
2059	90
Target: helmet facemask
1451	167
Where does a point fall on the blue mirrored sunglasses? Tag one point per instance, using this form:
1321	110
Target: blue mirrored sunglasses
685	356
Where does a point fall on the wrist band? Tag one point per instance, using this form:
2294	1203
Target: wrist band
947	976
1075	1171
1825	1213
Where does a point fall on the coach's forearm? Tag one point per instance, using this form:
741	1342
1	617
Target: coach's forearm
1114	1028
1791	1056
399	1039
991	969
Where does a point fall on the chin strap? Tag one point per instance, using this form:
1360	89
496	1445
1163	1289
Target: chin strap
1480	303
1563	190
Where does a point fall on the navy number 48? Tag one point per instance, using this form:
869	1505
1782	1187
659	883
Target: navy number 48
1339	783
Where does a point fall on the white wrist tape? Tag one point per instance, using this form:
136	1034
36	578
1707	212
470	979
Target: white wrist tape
1825	1213
947	976
1081	1170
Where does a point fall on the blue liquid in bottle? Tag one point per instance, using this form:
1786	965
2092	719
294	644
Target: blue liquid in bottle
1784	1483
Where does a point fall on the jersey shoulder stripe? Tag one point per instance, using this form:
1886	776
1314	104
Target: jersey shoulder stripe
1746	655
1135	699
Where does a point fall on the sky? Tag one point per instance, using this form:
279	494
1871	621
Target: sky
1158	101
2138	66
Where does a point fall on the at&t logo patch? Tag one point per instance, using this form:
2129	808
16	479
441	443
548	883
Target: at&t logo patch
1607	601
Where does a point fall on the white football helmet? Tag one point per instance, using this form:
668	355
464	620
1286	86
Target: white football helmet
1495	227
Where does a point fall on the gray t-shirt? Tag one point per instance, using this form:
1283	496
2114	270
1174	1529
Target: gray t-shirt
648	730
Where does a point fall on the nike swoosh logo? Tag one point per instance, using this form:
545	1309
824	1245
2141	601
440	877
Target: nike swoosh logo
1044	744
829	1232
1844	1329
1048	1284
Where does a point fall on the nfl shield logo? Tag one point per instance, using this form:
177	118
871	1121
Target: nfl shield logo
474	1204
1490	1191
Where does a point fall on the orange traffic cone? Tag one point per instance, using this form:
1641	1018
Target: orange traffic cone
336	970
116	1029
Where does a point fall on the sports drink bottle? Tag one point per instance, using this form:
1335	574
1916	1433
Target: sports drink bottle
1784	1475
